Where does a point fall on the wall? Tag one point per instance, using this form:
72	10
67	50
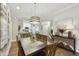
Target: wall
72	13
15	23
14	28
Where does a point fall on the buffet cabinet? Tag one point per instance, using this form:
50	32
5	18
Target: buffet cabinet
4	27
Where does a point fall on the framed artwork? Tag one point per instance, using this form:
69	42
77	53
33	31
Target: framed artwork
66	23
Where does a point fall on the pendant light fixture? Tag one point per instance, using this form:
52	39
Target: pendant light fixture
35	17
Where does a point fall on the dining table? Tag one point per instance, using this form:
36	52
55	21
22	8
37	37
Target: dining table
32	48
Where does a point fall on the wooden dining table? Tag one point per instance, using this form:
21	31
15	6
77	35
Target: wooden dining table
33	48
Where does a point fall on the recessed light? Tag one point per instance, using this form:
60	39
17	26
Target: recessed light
18	8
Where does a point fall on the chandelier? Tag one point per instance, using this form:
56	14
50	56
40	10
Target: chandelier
35	17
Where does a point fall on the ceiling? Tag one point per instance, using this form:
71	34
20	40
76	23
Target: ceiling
43	10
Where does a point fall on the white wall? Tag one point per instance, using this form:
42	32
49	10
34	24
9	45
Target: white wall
14	28
72	13
15	23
